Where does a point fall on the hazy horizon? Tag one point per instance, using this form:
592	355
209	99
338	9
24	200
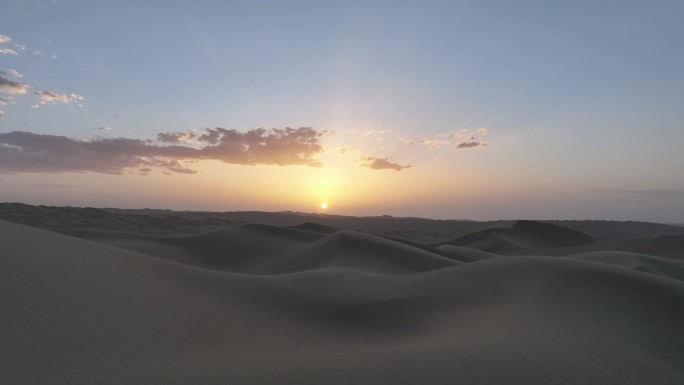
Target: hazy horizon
435	109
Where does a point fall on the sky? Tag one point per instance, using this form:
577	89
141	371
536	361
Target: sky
441	109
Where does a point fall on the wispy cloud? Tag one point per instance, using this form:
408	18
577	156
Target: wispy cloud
459	139
7	51
47	97
467	139
10	87
471	142
5	39
382	164
26	152
12	72
3	102
104	128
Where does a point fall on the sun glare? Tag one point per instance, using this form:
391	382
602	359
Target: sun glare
324	205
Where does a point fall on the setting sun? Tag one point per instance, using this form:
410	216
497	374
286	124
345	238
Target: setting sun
324	205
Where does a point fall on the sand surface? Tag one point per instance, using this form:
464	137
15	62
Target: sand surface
517	302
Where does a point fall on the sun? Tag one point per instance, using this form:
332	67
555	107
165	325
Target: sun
324	205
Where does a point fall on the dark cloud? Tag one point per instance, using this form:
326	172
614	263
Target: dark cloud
12	88
471	143
22	152
176	137
211	136
382	164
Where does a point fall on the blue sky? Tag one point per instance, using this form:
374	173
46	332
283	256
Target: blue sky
571	109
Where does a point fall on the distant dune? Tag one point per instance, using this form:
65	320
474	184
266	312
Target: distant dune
517	302
167	222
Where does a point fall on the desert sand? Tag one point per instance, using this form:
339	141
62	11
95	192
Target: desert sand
100	296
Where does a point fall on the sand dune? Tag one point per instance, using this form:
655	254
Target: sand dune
254	304
517	236
232	249
419	230
362	252
648	263
465	254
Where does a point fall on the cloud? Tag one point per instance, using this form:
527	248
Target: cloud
176	137
7	51
431	144
2	113
283	146
471	143
467	139
26	152
459	139
21	47
47	97
38	53
5	39
12	72
105	128
4	101
12	88
382	164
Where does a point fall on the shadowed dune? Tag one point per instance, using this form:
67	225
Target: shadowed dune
258	304
359	251
315	228
465	254
671	246
648	263
518	236
232	248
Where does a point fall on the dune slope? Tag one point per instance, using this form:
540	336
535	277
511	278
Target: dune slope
80	312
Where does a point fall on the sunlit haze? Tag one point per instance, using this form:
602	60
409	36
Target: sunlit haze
442	109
